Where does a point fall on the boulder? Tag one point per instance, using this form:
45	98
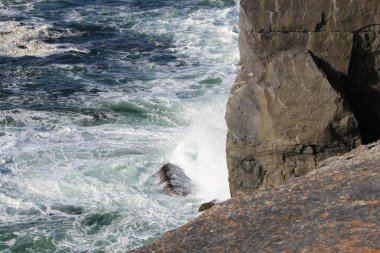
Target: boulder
307	88
175	181
208	205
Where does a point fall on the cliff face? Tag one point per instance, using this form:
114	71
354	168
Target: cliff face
308	87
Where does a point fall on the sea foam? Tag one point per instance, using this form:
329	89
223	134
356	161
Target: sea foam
19	39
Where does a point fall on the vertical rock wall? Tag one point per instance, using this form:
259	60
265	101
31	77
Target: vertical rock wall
308	87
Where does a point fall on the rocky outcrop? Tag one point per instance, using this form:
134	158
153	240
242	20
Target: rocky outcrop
174	180
335	208
206	206
308	87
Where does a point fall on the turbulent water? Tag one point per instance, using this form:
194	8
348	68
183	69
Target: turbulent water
95	96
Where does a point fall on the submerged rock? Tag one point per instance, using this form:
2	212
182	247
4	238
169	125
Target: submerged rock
68	209
175	181
333	209
308	87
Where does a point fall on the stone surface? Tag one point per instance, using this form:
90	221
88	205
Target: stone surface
335	208
175	181
308	87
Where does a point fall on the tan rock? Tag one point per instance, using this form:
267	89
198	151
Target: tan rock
309	71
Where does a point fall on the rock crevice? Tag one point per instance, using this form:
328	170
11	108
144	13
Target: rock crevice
309	77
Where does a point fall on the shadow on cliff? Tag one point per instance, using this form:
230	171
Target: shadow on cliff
360	88
363	88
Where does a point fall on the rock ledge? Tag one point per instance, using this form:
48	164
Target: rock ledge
333	209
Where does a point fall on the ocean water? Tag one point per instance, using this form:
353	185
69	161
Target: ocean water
95	96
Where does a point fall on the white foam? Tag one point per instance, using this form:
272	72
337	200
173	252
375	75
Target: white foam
18	40
201	151
200	34
6	12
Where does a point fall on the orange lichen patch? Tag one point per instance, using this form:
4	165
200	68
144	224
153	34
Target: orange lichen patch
356	222
325	215
362	250
355	229
338	177
373	202
230	223
158	241
368	224
368	250
362	224
347	244
332	224
354	237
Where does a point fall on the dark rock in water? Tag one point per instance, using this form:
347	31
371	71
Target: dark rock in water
207	205
68	209
22	46
3	169
175	181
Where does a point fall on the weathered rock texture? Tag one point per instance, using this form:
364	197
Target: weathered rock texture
333	209
308	87
174	180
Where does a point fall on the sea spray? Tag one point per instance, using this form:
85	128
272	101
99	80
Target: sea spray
201	151
111	92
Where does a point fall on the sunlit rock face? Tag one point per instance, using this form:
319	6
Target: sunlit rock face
307	89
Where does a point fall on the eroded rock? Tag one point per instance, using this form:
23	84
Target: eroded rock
175	181
308	87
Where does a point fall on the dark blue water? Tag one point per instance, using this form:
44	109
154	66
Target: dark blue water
94	97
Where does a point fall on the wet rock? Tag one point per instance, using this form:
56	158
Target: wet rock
69	209
175	181
335	208
4	169
308	87
22	46
208	205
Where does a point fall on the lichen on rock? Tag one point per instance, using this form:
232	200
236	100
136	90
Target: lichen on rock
335	208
